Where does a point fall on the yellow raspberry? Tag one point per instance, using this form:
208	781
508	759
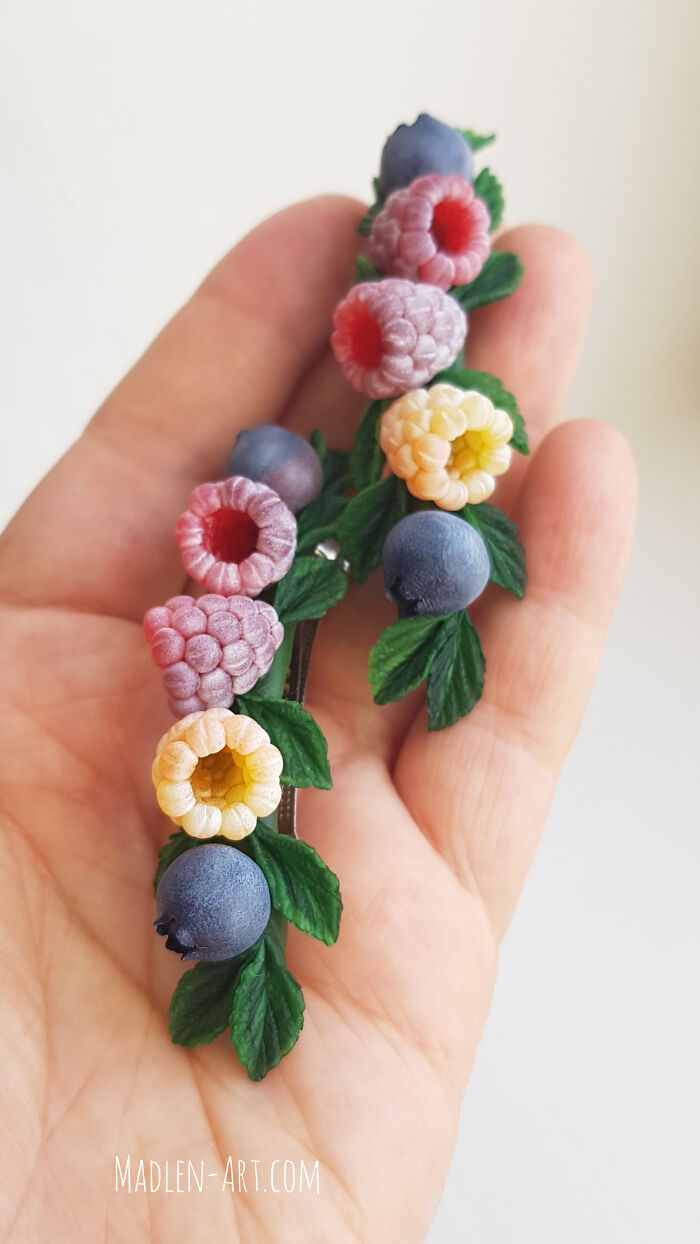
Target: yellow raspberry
216	772
447	444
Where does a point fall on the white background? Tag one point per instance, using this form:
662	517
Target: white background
139	140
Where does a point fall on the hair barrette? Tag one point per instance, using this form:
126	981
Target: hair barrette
272	547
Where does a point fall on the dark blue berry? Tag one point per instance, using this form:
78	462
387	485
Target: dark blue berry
427	146
282	460
212	902
434	563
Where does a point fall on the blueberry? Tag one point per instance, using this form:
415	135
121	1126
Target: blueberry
212	902
427	146
282	460
434	563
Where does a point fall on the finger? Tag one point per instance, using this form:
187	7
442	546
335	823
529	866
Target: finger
481	789
325	401
98	532
532	341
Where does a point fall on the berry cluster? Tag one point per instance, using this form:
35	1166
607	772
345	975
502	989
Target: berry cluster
217	771
429	238
430	234
236	538
211	649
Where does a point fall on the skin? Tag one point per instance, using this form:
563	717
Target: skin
431	835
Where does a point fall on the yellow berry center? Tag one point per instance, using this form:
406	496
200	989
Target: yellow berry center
218	778
464	454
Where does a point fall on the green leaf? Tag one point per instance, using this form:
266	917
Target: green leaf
268	1009
488	187
456	675
506	553
519	438
301	741
336	470
365	224
477	141
335	462
176	845
319	444
302	887
366	458
365	271
366	523
312	587
401	657
499	277
200	1008
492	388
318	520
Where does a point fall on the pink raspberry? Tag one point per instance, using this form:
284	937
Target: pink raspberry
211	649
434	230
391	336
236	537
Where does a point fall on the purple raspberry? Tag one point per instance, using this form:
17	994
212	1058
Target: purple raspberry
213	902
236	536
391	336
427	146
434	563
211	649
281	459
435	230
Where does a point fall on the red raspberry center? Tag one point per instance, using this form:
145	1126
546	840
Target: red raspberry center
231	536
452	226
366	336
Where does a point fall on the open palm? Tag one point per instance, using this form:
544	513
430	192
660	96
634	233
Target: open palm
431	835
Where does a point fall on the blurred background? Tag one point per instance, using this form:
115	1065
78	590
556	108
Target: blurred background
139	141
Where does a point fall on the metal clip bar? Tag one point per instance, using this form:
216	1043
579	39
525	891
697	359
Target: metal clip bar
295	688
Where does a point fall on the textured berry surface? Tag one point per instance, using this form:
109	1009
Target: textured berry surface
434	563
435	230
212	903
393	335
281	459
427	146
236	537
211	649
215	772
447	443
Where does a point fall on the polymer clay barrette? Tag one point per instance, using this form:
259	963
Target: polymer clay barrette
271	547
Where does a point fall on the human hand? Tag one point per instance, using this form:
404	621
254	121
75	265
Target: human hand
431	834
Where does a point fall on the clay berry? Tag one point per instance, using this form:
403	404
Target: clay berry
427	146
434	563
212	902
435	230
211	649
281	459
393	335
